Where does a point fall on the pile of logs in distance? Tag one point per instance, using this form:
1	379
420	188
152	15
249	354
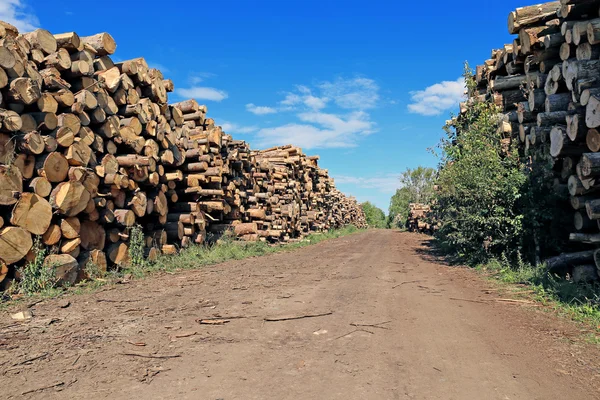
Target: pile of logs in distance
90	148
419	219
547	82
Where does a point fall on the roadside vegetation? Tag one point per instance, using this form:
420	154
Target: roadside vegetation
498	211
374	215
38	281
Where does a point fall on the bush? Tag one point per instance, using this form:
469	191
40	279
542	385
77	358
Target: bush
480	182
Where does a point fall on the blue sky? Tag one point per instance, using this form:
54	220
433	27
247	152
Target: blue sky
366	85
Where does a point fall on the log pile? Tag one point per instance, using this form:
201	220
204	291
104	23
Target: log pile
90	148
419	219
547	84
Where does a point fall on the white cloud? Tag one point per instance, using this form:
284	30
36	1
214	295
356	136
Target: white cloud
200	77
305	136
231	128
316	103
291	99
357	122
202	93
260	110
157	66
330	114
387	183
17	13
326	131
356	93
436	99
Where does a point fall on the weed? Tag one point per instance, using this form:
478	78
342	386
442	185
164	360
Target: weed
579	302
35	276
93	271
137	261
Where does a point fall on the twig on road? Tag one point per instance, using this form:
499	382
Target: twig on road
292	317
150	355
57	384
356	330
400	284
378	325
472	301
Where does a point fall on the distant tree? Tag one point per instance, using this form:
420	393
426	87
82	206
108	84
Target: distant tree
417	187
374	215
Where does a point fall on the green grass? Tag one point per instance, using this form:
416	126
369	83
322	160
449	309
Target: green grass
576	301
194	257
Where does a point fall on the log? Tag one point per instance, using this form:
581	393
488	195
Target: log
245	229
593	209
70	227
102	43
592	112
32	213
69	198
42	40
124	217
69	41
562	262
531	15
15	243
590	164
52	235
582	222
118	253
54	167
560	144
588	238
40	186
24	90
65	268
11	185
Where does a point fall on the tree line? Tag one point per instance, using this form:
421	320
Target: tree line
490	201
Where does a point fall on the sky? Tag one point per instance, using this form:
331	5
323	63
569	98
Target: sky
365	85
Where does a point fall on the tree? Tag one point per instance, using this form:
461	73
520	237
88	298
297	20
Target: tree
374	215
417	187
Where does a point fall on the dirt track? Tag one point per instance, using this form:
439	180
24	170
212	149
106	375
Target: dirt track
402	327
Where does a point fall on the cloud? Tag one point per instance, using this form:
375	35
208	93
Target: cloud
322	130
202	93
387	183
436	99
357	93
158	66
305	98
231	128
260	110
316	103
331	114
17	13
291	99
303	135
200	77
357	122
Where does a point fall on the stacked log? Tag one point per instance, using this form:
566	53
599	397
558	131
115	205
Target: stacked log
419	219
91	148
547	84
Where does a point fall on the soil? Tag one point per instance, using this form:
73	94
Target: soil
396	324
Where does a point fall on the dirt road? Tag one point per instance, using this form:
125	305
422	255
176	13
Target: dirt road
398	326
